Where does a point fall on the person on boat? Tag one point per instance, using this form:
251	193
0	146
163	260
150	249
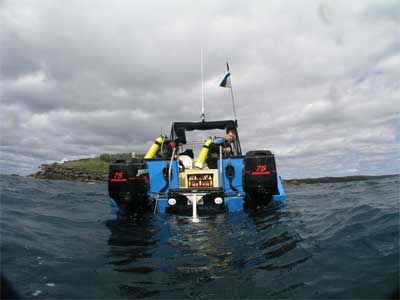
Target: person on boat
227	148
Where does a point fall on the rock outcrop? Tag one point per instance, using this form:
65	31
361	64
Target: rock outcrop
61	172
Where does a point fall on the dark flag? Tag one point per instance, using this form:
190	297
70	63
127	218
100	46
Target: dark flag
226	82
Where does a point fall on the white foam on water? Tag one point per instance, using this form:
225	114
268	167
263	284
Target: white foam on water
36	293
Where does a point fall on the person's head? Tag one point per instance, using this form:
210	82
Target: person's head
230	134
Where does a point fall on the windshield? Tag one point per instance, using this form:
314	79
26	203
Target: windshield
195	140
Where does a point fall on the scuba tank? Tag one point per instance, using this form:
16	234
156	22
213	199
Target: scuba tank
154	148
203	154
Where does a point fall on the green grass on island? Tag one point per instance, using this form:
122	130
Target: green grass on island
99	163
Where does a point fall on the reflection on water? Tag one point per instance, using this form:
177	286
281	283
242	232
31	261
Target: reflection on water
224	255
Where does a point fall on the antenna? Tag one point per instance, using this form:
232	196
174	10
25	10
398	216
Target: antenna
203	115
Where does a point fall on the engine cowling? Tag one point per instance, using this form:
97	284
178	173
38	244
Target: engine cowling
128	186
259	177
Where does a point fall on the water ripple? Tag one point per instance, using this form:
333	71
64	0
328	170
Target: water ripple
337	240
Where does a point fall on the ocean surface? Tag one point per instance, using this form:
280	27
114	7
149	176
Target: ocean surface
331	240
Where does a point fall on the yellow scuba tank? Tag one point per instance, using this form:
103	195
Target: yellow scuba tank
203	154
154	148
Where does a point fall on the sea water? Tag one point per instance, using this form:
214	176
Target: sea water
332	240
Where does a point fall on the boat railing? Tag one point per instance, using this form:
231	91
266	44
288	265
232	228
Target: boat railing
170	167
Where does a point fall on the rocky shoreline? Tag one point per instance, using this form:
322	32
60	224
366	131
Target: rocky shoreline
58	171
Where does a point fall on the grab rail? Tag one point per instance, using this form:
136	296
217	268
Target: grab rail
170	167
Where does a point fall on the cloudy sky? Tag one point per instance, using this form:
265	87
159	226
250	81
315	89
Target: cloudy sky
316	82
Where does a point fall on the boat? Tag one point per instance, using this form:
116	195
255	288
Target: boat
170	180
187	172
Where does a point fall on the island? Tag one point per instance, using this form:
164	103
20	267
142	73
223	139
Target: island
95	169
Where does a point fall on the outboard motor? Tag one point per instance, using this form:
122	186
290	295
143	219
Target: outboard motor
259	177
128	186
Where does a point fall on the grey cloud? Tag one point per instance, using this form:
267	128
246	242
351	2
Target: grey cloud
80	79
